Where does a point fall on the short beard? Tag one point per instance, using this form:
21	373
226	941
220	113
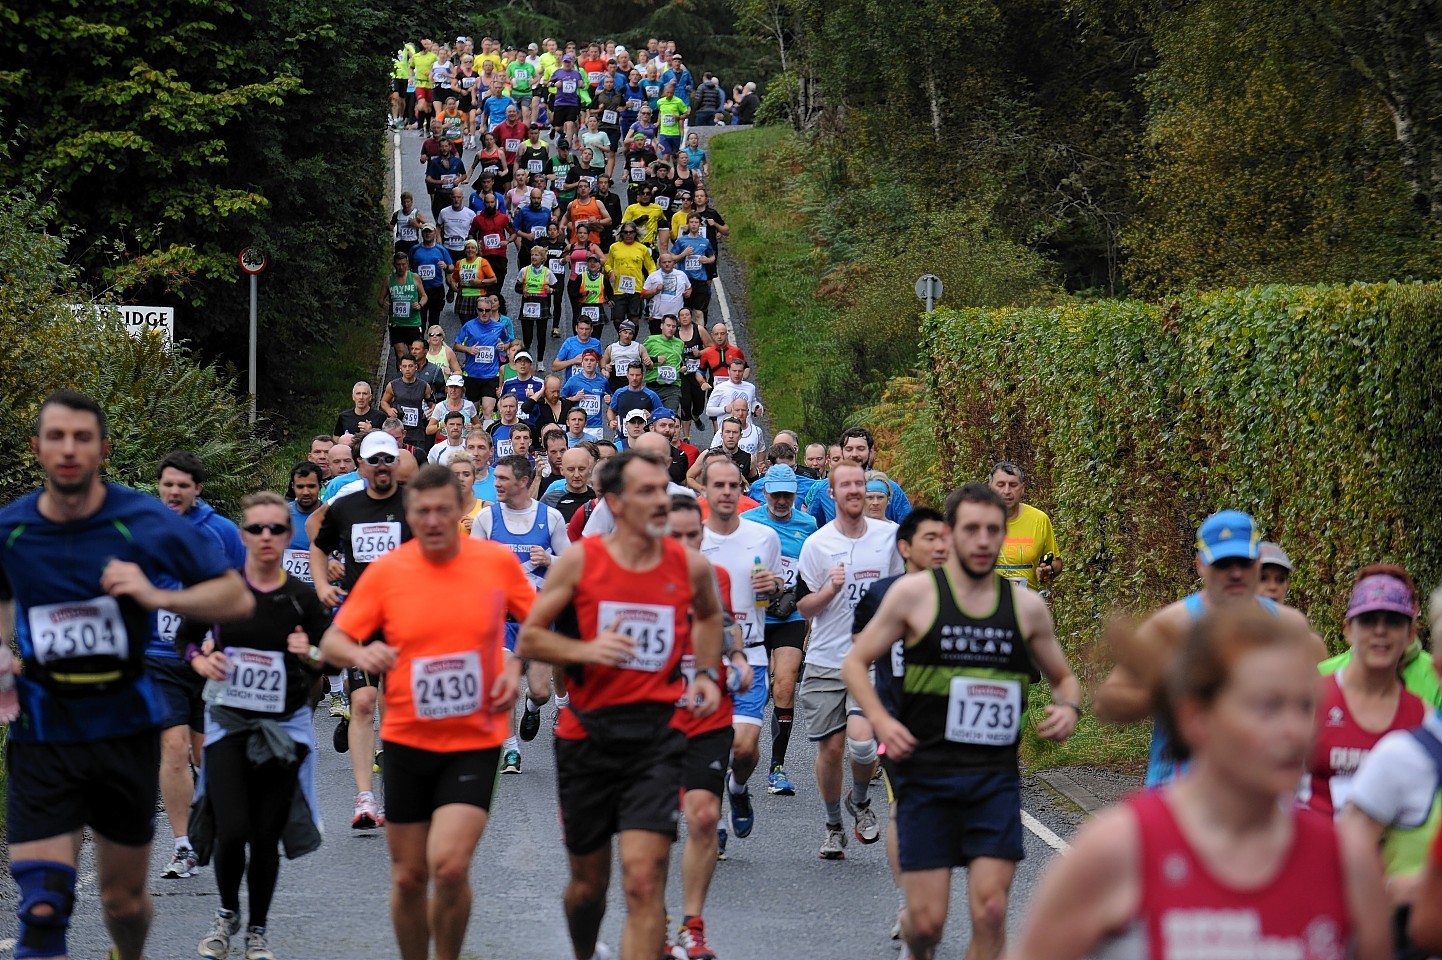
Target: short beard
658	530
80	486
974	574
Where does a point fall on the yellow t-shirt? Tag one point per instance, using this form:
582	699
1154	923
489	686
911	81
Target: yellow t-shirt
1028	538
647	219
629	260
422	63
492	58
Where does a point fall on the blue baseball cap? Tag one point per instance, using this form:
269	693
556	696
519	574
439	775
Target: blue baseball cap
663	413
1228	533
780	479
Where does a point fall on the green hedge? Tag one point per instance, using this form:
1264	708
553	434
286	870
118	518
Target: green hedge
1314	408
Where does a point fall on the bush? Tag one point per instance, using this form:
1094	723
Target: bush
1313	408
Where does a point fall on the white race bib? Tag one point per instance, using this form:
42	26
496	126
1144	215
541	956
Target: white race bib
555	266
626	284
651	625
297	564
455	243
411	416
371	541
568	86
78	628
664	203
486	354
751	635
532	309
898	659
693	264
592	314
591	404
983	712
666	375
469	272
534	166
427	271
256	680
504	448
512	146
491	241
446	686
633	106
692	365
638	174
167	623
608	116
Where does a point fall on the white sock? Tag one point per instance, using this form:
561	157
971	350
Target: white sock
513	744
181	843
732	786
335	682
533	706
365	795
564	700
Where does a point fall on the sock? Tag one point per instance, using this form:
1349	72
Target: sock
564	700
859	790
534	706
732	786
181	843
780	734
365	795
513	744
833	812
335	684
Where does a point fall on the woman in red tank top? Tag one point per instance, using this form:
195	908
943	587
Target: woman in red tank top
1214	865
1366	698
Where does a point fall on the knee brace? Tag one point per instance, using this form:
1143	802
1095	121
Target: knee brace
863	752
43	883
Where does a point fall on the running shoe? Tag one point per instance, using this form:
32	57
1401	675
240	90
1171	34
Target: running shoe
255	946
555	331
743	817
691	944
338	706
834	847
530	724
340	737
867	829
779	783
367	814
511	762
181	865
896	927
720	843
378	761
216	944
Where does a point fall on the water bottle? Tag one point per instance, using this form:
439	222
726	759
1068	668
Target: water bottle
9	699
733	679
762	599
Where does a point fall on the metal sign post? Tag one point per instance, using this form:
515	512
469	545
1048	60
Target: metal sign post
928	289
253	263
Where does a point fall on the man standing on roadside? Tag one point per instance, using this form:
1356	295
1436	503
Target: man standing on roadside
1029	536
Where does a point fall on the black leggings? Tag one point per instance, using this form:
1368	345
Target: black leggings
251	805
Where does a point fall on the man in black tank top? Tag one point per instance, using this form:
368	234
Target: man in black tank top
970	640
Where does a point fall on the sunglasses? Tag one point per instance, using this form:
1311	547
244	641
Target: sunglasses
275	529
435	334
380	459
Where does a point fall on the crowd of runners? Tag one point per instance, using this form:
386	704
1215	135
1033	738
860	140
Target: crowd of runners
632	545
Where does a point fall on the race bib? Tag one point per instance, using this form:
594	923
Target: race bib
608	116
591	404
371	541
486	354
491	241
688	671
532	309
592	314
626	284
788	565
469	273
78	628
256	680
638	174
666	374
297	564
750	635
692	264
664	203
448	179
555	266
534	166
406	233
427	272
411	416
651	625
568	86
653	92
692	365
446	686
455	243
983	712
594	76
512	146
632	106
898	659
505	449
400	309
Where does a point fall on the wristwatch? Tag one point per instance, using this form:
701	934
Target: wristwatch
711	673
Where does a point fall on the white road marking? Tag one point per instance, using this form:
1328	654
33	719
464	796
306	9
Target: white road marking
725	307
7	945
1044	833
396	166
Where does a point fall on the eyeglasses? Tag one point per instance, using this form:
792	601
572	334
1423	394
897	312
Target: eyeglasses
380	459
274	529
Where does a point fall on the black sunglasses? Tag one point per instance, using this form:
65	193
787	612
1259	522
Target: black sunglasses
380	459
275	529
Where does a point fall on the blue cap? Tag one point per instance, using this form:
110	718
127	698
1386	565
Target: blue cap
1228	533
663	413
779	479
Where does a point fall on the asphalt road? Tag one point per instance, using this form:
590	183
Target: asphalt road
772	897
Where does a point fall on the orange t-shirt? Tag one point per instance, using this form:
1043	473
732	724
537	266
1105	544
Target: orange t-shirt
742	505
435	696
578	212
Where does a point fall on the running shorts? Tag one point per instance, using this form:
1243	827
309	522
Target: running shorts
605	789
946	820
109	785
707	757
419	782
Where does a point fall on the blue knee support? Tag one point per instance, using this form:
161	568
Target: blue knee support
43	883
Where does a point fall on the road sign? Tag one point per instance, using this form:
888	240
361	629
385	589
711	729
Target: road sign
928	288
135	319
253	261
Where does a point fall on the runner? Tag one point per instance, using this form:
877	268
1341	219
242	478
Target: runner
951	748
1030	552
750	553
261	671
837	565
587	390
364	527
628	264
1228	548
640	598
483	341
1213	865
447	694
857	446
78	561
785	626
404	298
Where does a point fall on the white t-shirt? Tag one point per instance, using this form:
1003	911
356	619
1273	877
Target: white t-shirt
442	452
519	522
868	559
1397	782
673	286
724	391
736	553
752	440
455	224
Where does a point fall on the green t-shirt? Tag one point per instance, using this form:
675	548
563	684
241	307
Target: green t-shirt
405	297
670	109
521	74
668	353
423	62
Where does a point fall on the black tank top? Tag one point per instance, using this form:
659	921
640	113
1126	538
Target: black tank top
964	691
691	364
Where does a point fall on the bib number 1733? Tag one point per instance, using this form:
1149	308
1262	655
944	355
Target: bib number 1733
983	712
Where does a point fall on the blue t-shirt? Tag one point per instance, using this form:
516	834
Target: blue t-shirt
686	246
624	400
431	264
516	387
792	533
684	84
67	624
491	338
333	485
820	505
594	389
495	108
573	347
163	623
528	221
485	489
695	156
298	538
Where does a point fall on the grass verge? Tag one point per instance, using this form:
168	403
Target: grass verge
753	183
